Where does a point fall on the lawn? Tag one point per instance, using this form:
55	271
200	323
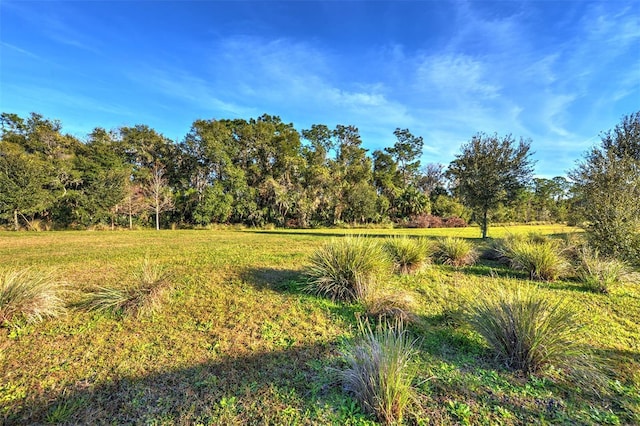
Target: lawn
237	340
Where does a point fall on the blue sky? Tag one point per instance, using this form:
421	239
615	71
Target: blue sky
557	72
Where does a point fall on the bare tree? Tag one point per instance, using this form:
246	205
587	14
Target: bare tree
158	192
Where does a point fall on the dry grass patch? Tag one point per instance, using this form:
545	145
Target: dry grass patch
30	295
143	296
390	305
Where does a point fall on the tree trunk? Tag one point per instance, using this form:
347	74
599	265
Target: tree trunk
157	217
484	224
15	220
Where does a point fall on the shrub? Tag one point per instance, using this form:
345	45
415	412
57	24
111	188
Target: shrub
346	268
143	296
541	260
379	371
599	274
408	254
455	252
425	221
526	329
29	295
455	222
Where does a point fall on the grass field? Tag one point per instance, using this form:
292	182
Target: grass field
236	340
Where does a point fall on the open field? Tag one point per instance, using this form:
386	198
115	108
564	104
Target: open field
237	341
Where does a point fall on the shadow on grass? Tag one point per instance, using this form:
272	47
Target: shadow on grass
281	280
253	388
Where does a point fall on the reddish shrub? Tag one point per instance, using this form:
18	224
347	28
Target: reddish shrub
426	221
455	222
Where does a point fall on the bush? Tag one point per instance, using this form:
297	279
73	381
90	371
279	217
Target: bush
143	296
455	222
408	254
455	252
599	274
379	371
346	268
541	260
29	295
526	329
425	221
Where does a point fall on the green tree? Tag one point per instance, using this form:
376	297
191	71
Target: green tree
26	183
607	186
406	153
490	171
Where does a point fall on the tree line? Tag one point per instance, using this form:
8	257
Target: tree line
261	171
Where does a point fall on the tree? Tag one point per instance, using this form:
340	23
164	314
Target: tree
607	186
25	184
490	171
159	193
406	152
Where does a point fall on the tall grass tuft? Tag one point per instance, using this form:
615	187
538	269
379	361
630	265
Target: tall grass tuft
541	260
143	296
599	274
526	329
380	370
455	252
346	268
408	254
29	295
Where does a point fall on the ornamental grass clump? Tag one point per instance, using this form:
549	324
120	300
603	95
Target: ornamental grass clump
379	370
346	268
455	252
599	274
526	329
30	295
408	254
144	295
543	261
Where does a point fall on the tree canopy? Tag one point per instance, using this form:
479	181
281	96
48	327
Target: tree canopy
263	171
490	171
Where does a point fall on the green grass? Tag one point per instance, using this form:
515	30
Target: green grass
237	340
541	260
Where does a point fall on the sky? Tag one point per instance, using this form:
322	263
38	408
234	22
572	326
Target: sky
556	72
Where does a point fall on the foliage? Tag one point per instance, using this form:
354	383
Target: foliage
408	254
526	330
455	252
542	260
490	171
607	184
599	274
143	296
346	268
379	371
30	295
